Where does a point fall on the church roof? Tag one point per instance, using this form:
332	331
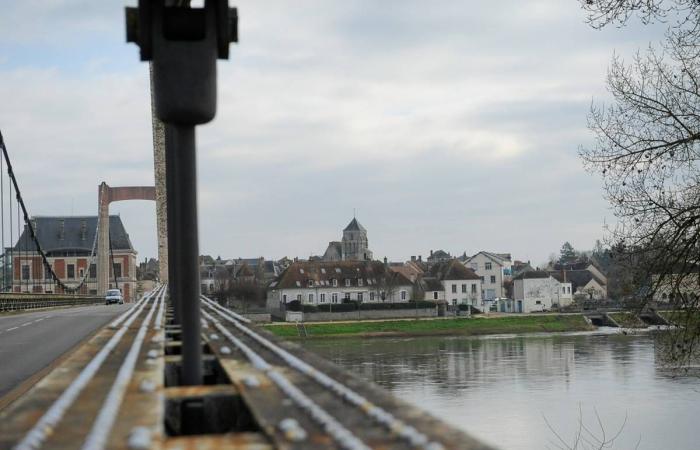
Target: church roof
354	225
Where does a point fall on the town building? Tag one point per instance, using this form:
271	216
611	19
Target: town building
585	283
220	274
332	282
353	247
537	291
438	256
494	269
69	242
452	282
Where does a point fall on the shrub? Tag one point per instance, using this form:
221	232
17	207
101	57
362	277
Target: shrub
338	307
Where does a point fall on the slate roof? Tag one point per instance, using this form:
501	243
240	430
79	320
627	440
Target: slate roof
577	278
452	270
499	258
322	273
532	274
354	225
72	233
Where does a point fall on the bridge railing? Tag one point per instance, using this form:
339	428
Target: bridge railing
20	302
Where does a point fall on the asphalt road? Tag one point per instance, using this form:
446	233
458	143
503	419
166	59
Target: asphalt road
31	341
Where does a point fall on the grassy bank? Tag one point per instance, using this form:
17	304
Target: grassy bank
474	326
627	320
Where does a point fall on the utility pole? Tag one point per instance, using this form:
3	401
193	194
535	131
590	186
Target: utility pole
183	44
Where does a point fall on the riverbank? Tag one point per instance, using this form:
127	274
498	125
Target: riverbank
435	327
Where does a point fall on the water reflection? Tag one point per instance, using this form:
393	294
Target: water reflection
499	388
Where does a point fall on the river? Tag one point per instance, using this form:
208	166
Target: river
505	389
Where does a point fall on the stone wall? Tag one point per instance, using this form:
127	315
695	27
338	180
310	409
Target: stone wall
292	316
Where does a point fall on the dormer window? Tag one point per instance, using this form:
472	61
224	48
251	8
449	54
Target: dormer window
360	282
347	282
335	282
311	283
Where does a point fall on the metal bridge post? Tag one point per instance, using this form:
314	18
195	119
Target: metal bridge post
183	44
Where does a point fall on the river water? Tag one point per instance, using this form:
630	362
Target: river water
505	389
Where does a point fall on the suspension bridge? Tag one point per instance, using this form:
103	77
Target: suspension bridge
172	369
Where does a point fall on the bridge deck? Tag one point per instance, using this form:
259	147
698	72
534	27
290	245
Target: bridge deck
122	390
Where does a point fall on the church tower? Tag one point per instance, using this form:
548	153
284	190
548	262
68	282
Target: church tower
354	244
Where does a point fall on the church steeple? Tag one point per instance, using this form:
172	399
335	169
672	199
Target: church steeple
355	244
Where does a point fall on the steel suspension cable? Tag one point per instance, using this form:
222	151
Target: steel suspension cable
12	238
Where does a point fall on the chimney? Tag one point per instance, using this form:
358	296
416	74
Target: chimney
386	261
413	259
420	258
431	253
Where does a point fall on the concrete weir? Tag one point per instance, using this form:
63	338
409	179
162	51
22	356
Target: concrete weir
600	319
123	389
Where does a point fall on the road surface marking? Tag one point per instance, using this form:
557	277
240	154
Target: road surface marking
13	328
25	324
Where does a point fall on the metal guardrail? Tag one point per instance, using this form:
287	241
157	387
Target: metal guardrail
20	302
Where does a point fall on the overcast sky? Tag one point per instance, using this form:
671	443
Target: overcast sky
446	125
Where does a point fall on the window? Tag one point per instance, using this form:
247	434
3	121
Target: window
299	297
359	296
435	295
81	273
454	288
563	289
360	282
335	297
347	282
482	279
371	296
335	282
25	272
347	296
493	279
47	273
93	270
322	298
464	288
403	295
71	271
473	288
117	270
311	283
568	289
487	266
538	302
311	298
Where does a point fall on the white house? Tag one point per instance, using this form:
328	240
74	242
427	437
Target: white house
493	269
322	282
538	290
454	283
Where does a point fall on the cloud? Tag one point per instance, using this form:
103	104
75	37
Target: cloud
453	126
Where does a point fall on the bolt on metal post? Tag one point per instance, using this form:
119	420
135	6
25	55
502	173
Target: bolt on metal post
183	44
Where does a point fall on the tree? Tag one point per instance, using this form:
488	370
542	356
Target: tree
567	254
647	147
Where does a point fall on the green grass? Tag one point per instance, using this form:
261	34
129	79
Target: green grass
627	320
474	326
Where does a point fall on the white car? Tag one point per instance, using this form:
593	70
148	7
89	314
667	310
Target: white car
114	296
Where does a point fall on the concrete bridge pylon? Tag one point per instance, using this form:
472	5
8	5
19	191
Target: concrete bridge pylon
105	196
